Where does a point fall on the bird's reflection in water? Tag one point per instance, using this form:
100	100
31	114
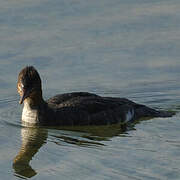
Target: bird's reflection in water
34	137
93	135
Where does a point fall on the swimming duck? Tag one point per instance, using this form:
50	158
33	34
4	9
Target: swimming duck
76	108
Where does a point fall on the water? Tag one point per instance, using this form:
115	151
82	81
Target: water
120	48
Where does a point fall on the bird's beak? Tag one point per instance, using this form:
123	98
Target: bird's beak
24	96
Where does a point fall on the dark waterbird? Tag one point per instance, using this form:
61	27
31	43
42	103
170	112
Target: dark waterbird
77	108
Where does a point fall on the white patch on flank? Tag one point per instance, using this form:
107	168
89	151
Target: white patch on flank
129	115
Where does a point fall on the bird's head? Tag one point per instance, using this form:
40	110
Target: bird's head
29	84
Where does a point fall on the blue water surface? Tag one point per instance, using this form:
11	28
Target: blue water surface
120	48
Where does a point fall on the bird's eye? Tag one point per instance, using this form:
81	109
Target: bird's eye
22	85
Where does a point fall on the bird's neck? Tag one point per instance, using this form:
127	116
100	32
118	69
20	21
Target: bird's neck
33	106
35	99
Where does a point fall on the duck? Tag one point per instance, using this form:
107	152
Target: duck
75	108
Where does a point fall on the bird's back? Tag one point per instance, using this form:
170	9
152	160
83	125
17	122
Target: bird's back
82	108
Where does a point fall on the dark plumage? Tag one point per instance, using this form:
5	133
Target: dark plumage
78	108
